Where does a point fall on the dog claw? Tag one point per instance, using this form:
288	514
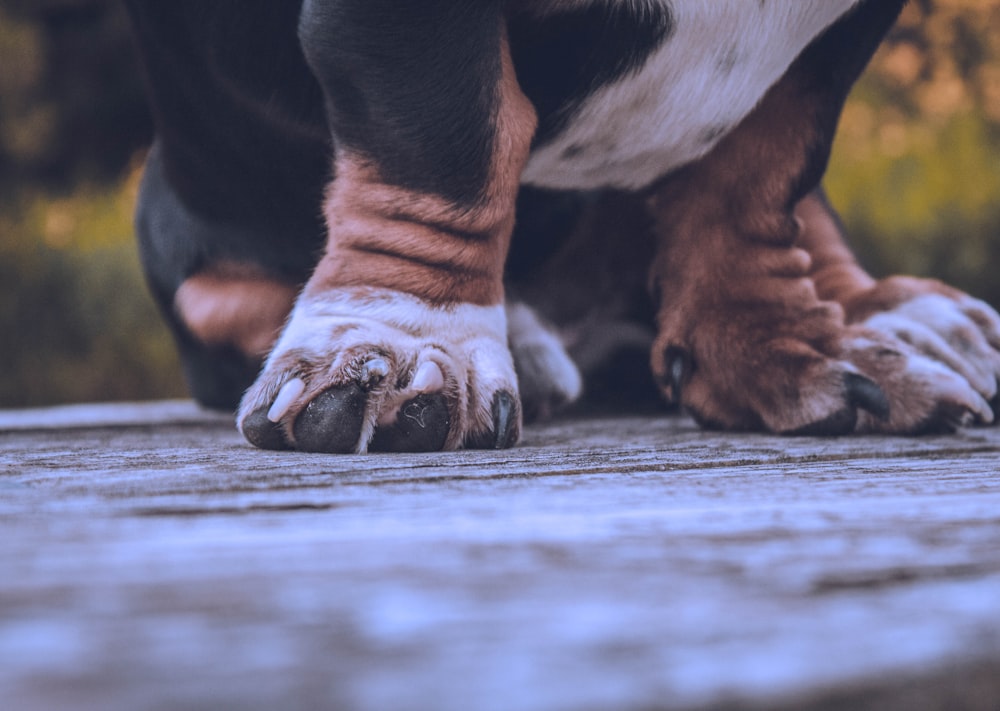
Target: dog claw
504	420
861	393
367	368
505	416
678	369
865	393
373	372
428	378
331	423
289	393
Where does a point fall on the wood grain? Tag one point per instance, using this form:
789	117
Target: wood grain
149	559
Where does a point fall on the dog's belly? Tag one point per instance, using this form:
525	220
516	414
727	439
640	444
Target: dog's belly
711	70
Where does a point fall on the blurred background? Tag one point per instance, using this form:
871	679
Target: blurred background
915	174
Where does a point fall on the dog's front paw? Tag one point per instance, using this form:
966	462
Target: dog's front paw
372	369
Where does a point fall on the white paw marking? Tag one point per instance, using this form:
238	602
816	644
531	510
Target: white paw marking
548	377
915	384
396	347
945	331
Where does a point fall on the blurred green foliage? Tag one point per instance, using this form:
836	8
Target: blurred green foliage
78	323
76	320
915	174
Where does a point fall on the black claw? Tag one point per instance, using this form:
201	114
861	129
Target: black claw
504	420
422	425
679	367
261	432
505	430
865	393
331	422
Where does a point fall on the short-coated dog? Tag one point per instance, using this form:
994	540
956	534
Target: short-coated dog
407	225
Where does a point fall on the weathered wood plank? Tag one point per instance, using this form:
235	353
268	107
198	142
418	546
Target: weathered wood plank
627	563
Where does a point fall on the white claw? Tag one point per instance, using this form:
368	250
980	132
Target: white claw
288	394
374	370
428	378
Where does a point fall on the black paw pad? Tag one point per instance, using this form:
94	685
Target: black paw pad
422	425
261	432
331	422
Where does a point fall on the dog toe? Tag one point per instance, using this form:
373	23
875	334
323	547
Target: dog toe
332	421
261	432
421	425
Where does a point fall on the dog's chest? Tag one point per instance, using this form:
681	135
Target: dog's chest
711	66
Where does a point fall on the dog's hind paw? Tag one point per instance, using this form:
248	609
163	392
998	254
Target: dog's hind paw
943	338
547	376
372	369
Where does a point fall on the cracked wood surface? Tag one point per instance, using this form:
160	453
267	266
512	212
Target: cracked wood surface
149	559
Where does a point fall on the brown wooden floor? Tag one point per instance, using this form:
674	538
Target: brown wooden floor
149	559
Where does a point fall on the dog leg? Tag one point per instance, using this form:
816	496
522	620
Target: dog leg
399	339
745	339
227	212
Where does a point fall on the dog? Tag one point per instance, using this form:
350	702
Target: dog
376	225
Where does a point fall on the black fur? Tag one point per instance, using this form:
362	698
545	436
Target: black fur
564	57
238	115
827	69
411	85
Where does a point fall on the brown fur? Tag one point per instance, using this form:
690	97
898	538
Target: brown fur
235	305
838	277
761	304
887	294
834	271
734	284
384	236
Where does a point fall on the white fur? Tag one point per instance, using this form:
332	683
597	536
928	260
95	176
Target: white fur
541	359
382	315
349	335
635	130
941	328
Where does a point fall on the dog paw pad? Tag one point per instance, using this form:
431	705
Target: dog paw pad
263	433
421	425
